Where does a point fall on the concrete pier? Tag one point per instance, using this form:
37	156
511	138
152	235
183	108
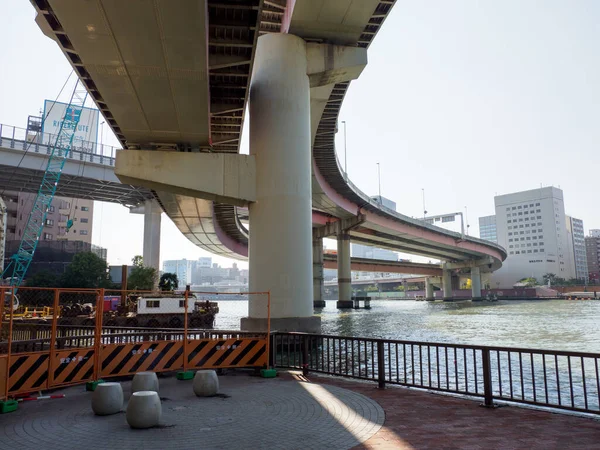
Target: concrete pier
280	243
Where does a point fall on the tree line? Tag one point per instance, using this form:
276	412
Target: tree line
88	271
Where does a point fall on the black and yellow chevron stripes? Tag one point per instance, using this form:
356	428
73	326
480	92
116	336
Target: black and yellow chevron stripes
127	359
211	353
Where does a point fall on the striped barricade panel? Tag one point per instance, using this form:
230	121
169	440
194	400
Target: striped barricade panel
214	353
72	366
28	372
3	372
127	359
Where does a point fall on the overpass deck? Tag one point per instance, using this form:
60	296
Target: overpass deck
88	172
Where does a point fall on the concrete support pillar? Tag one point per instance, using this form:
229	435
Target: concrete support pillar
318	287
344	271
447	284
475	283
151	251
429	290
280	243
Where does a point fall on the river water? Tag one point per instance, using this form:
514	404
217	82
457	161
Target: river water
553	324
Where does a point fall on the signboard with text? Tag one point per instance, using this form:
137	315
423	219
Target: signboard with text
86	134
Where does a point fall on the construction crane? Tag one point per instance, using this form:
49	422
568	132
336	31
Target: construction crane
20	261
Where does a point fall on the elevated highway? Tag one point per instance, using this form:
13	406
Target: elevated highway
174	82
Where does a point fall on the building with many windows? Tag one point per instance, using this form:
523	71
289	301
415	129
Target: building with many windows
487	228
182	268
592	250
62	209
577	251
531	226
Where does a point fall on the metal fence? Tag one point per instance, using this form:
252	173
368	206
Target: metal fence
38	142
60	337
554	379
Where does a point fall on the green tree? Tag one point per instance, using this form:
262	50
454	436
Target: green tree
549	278
141	277
44	278
168	282
138	261
87	270
529	282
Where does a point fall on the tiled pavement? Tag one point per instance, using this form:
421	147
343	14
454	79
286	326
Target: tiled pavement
257	413
421	420
291	412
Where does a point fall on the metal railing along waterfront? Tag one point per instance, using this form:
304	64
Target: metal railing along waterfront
546	378
41	143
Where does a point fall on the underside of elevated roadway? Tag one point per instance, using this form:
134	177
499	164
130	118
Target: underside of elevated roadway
177	79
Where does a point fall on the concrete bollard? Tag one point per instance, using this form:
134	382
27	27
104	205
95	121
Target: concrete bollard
143	410
144	381
107	399
206	383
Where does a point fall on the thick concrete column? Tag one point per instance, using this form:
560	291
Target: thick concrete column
344	271
318	287
429	290
475	283
151	251
447	284
280	243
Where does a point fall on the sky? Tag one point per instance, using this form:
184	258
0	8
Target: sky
463	99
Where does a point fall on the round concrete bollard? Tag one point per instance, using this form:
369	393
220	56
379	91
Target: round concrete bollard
144	381
144	409
107	399
206	383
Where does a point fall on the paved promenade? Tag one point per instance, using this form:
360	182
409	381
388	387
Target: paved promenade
419	420
292	412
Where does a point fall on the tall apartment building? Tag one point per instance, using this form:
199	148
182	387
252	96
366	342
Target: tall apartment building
531	226
182	268
592	249
19	205
368	251
577	250
487	228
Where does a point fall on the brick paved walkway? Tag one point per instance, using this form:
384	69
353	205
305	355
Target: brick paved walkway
291	412
421	420
258	413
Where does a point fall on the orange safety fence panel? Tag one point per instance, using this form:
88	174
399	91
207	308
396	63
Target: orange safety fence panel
127	359
28	372
3	374
215	353
72	366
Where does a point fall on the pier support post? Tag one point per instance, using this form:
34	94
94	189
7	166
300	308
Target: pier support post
318	287
429	290
344	271
447	284
475	283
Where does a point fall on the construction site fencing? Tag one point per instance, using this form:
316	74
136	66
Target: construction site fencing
57	337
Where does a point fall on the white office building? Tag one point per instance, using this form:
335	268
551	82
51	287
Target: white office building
531	226
487	228
577	253
182	268
595	233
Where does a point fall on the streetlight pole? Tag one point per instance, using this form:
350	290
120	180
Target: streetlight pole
379	182
467	219
424	210
345	153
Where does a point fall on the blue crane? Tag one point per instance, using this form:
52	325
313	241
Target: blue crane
59	152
